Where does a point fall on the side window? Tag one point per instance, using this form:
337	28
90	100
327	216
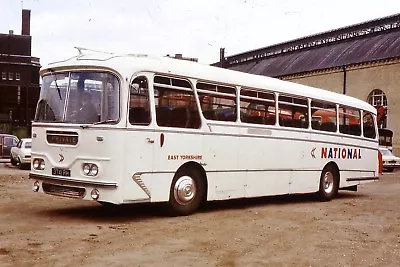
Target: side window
257	107
218	102
368	125
9	141
323	116
293	112
139	104
349	121
175	103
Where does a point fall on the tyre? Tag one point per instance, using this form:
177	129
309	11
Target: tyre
187	192
328	183
13	161
390	169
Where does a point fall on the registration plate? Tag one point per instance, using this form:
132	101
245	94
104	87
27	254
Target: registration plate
61	172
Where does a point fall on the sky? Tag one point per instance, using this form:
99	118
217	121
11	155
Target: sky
195	28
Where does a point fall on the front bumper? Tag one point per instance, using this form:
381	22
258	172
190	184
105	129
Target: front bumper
72	181
26	160
391	165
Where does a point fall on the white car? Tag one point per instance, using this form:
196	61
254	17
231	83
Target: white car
390	161
21	154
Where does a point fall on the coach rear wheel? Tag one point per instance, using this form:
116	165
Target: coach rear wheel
329	183
186	193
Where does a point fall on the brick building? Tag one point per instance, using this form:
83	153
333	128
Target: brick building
19	80
361	60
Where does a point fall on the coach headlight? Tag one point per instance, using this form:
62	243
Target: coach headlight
35	164
94	170
90	169
42	165
38	164
86	169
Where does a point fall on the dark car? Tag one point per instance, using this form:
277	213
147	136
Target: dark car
7	141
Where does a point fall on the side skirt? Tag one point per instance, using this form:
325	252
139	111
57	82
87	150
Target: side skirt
374	178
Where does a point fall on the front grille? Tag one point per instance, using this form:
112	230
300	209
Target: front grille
62	137
64	191
392	161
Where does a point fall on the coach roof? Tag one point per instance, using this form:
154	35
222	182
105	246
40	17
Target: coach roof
127	65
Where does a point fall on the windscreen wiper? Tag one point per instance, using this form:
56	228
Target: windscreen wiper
85	126
55	81
105	122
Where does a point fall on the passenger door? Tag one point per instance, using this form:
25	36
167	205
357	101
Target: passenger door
139	140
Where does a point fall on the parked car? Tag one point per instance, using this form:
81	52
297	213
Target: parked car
21	154
7	141
390	161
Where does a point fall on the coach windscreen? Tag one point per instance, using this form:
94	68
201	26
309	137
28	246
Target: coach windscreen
78	97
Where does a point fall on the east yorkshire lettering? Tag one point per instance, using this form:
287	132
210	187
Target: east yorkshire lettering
185	157
340	153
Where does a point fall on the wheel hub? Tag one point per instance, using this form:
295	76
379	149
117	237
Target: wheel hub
184	190
328	182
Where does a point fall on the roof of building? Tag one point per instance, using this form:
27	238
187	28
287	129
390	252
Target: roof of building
366	42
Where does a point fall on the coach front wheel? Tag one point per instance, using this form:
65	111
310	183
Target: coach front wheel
329	183
186	193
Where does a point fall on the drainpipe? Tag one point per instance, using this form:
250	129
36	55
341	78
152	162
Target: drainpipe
222	57
344	79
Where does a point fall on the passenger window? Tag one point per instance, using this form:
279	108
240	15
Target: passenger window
175	103
323	116
369	125
139	104
349	121
218	102
293	112
257	107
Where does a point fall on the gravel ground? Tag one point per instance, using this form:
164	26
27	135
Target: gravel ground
356	229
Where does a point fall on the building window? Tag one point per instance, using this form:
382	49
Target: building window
17	76
377	98
4	75
10	76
